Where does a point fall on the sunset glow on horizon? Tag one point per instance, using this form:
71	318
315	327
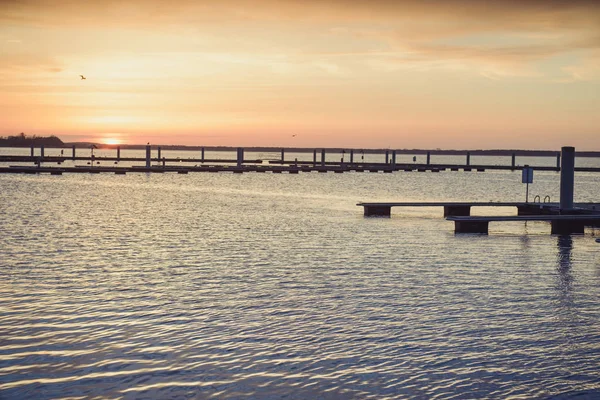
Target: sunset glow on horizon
332	73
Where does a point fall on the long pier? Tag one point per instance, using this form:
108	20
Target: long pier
349	162
56	164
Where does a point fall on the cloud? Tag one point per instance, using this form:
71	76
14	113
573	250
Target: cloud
422	34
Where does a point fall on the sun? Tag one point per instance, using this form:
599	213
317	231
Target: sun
111	141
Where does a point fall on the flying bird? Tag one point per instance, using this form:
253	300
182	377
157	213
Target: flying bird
82	77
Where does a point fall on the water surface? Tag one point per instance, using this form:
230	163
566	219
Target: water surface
276	286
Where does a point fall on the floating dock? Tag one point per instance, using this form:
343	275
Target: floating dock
565	217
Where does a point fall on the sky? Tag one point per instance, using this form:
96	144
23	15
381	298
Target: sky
449	74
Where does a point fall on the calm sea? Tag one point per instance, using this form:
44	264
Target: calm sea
167	286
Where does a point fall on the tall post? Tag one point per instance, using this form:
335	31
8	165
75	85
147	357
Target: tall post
159	150
387	156
323	157
428	157
42	151
558	160
32	151
148	153
468	158
282	156
240	156
203	154
119	153
73	152
567	177
513	161
314	157
394	158
351	156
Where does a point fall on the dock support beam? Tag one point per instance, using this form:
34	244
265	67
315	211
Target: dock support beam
282	156
203	154
394	158
468	158
351	156
428	157
42	151
471	227
558	160
32	151
567	178
378	211
457	211
387	157
73	152
566	227
323	157
118	153
240	156
159	151
514	159
148	153
314	157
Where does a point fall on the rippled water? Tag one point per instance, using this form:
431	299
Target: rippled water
276	286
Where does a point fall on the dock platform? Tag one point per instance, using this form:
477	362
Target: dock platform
560	224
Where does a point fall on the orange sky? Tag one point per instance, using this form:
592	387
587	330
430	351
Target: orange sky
399	74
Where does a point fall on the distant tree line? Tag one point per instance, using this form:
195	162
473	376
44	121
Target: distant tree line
22	140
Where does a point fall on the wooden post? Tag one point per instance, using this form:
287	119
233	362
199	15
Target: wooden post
73	152
119	153
240	156
148	154
42	151
314	157
514	159
558	160
468	158
351	156
323	157
282	156
387	156
203	154
32	151
428	157
567	177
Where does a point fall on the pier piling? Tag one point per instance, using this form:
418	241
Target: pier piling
240	156
73	152
468	158
567	177
148	153
428	157
323	157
